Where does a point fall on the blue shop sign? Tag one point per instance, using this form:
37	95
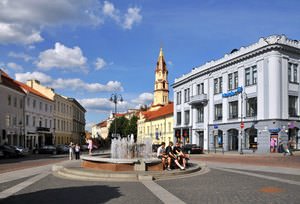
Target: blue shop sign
274	130
233	93
216	126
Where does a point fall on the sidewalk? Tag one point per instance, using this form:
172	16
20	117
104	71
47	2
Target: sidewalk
271	159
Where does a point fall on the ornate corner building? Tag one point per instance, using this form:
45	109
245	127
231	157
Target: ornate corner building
246	101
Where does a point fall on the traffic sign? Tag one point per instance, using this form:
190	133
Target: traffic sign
242	125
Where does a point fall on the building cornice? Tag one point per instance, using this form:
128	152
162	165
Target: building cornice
262	46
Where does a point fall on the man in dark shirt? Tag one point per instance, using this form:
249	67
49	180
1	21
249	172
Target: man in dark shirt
172	157
181	157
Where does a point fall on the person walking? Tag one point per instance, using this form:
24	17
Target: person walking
77	152
71	150
290	147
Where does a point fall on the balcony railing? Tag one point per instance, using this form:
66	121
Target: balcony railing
198	99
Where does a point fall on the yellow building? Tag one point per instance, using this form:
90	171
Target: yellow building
157	121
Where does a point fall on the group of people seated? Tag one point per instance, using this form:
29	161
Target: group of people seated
172	155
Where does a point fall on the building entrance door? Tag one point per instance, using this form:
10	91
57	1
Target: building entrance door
201	139
233	141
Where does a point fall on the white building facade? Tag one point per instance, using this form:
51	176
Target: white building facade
11	111
39	126
246	101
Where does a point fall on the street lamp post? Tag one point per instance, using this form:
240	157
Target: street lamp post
243	94
115	98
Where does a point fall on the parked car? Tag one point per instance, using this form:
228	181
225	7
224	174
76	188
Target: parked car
47	149
9	151
62	149
22	151
84	147
192	149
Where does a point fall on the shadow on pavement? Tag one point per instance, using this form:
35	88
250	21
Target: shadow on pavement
84	194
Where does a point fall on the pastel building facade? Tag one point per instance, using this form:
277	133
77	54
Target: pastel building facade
247	101
157	121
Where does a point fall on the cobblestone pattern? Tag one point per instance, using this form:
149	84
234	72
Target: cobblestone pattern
224	187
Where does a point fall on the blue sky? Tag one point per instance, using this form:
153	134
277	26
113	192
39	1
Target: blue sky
90	49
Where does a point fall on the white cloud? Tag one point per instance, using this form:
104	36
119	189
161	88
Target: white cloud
127	20
62	57
74	84
143	99
100	63
15	33
21	55
110	10
21	22
15	67
131	17
43	78
102	104
78	84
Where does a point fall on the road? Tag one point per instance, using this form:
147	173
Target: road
226	179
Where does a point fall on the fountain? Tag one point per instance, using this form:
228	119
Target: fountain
126	155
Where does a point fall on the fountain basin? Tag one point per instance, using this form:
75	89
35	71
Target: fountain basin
109	164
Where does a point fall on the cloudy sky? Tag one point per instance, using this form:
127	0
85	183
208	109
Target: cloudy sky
89	49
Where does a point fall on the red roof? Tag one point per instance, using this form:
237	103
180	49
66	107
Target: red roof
161	112
33	91
9	82
102	124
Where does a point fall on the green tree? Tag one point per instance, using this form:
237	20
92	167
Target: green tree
121	126
132	127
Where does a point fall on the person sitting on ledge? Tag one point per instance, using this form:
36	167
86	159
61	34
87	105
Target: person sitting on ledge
177	150
161	154
172	157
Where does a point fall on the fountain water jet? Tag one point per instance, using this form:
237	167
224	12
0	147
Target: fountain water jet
125	156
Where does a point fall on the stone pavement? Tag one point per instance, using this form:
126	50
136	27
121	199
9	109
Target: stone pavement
230	178
274	160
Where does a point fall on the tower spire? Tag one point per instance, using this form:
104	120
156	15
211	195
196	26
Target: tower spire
161	87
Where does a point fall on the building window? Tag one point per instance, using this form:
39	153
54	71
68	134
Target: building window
218	112
9	100
50	109
233	110
178	118
46	122
27	120
293	104
236	79
218	85
250	75
41	105
200	88
8	120
15	102
186	95
178	98
254	75
251	107
187	117
46	107
28	101
230	81
293	73
34	103
14	121
50	125
21	103
200	114
247	77
33	121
